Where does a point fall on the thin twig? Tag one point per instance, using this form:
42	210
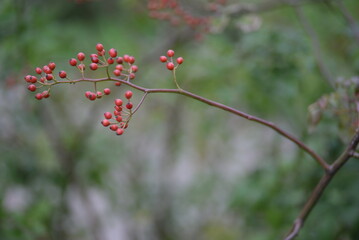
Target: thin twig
322	185
249	117
349	19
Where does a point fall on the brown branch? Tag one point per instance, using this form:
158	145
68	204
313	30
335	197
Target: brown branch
322	185
271	125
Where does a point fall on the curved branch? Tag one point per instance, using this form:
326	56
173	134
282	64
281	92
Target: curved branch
271	125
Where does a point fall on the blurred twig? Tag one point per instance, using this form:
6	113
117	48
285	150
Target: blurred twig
349	19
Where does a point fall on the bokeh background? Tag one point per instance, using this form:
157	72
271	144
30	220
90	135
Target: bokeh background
182	170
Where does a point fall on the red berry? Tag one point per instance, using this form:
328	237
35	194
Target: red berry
117	72
38	70
119	118
92	96
118	102
99	47
110	60
123	125
87	94
81	66
73	62
94	59
129	105
45	94
81	56
105	123
107	91
128	94
46	69
126	58
42	79
107	115
119	67
38	96
101	53
170	66
99	94
131	59
51	65
134	68
119	131
113	127
170	53
112	52
117	113
179	60
49	77
132	76
119	60
62	74
118	83
93	66
118	109
163	59
31	87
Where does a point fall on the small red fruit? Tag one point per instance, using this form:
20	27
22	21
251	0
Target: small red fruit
179	60
38	96
93	66
94	58
45	94
110	60
119	67
117	72
107	115
126	58
107	91
129	105
131	59
81	66
49	77
32	88
134	68
132	76
170	66
163	59
119	131
118	102
99	94
73	62
87	94
119	60
99	47
113	127
112	52
81	56
62	74
118	83
128	94
38	70
119	118
46	69
170	53
105	123
52	65
92	96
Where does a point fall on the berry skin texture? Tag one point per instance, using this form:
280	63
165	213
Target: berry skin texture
170	66
32	88
119	131
105	123
128	94
126	58
117	72
46	69
118	102
92	97
119	60
110	60
38	70
163	59
45	94
107	91
170	53
49	77
38	96
99	47
108	115
112	52
134	68
129	105
81	56
93	66
179	60
62	74
131	60
114	127
73	62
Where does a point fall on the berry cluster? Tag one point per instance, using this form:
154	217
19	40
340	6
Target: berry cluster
120	116
170	65
172	11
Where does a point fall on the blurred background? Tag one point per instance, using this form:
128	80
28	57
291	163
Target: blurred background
182	170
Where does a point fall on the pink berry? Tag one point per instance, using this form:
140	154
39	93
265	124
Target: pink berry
46	69
107	115
52	65
105	123
118	102
134	68
113	127
62	74
179	60
117	72
118	83
87	94
32	88
170	53
128	94
119	60
73	62
93	66
119	67
119	118
94	58
131	59
107	91
126	58
92	97
119	131
163	59
112	52
170	66
49	77
99	47
38	70
38	96
81	56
